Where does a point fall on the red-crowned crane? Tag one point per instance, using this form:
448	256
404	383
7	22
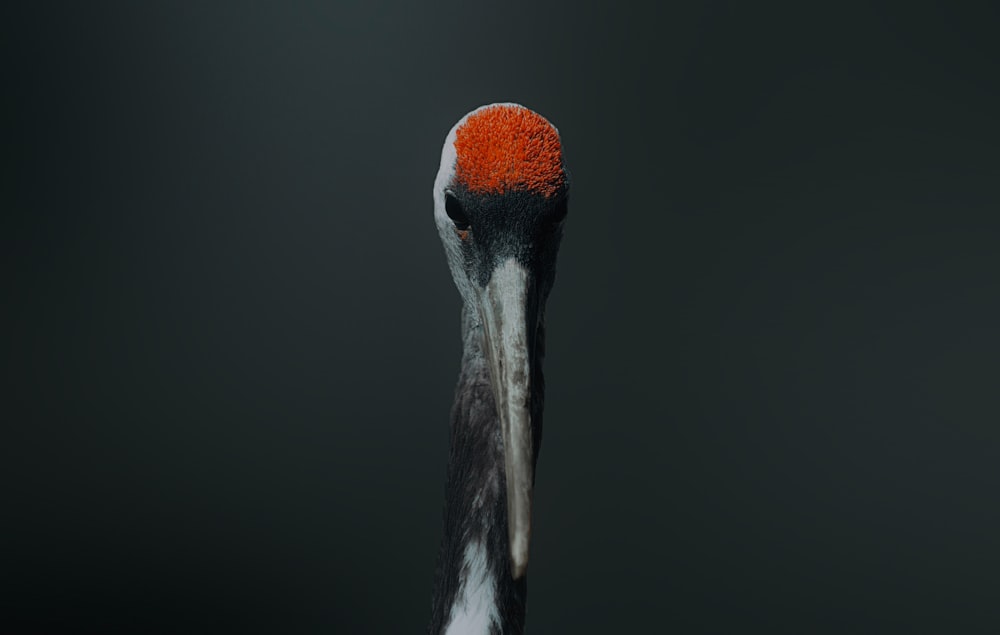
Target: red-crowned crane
499	203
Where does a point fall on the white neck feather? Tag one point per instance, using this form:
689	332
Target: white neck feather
475	607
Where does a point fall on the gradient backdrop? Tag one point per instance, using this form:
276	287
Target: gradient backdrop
230	338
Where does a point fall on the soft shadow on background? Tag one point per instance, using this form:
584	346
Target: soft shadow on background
230	337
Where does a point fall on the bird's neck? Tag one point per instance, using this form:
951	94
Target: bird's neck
474	590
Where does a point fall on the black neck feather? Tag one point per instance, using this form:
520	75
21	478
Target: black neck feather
476	504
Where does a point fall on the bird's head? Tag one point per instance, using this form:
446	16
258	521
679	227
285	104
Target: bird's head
500	199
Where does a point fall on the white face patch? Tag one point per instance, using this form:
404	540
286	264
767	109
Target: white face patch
475	607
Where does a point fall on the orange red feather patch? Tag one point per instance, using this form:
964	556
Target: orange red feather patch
508	147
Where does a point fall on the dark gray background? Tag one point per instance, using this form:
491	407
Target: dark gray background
231	340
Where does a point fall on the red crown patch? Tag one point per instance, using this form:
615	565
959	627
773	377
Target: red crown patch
506	147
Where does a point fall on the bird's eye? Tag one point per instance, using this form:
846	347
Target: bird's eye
455	212
559	212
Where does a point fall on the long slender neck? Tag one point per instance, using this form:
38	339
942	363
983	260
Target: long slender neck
474	591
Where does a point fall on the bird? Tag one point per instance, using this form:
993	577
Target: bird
500	204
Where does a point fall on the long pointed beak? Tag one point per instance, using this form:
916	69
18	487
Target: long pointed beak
509	311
